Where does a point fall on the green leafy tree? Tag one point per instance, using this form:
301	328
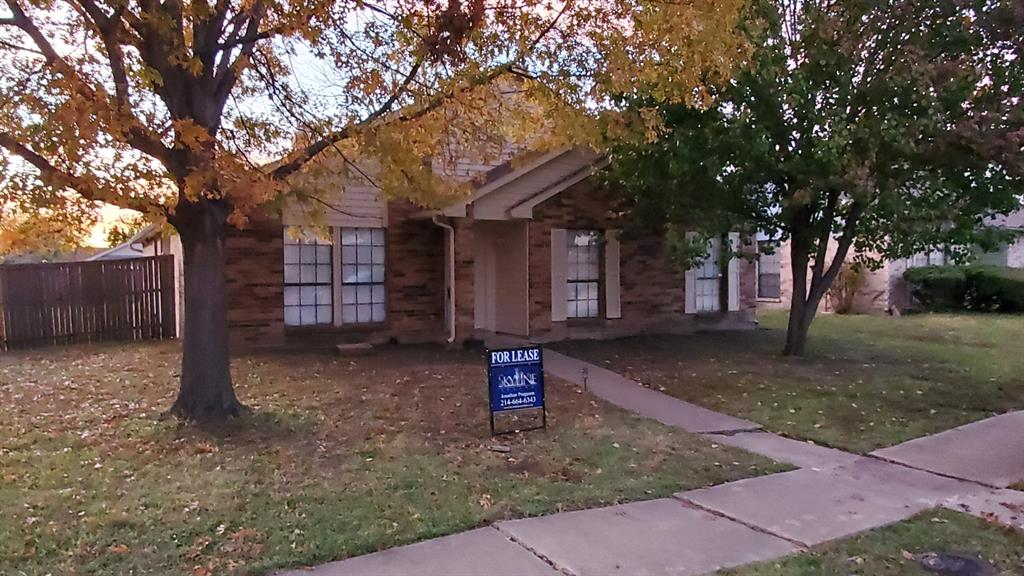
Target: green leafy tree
881	127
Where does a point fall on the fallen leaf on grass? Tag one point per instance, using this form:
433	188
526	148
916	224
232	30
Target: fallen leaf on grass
195	551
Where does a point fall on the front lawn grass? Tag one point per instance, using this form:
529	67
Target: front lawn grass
865	383
339	457
896	550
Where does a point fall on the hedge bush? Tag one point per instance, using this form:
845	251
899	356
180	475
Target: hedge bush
938	288
978	288
995	289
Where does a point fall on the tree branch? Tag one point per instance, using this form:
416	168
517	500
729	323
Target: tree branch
250	37
311	151
136	135
550	26
853	215
6	44
824	235
328	205
22	21
57	178
109	28
227	69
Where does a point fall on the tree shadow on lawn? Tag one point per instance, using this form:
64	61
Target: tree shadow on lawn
339	456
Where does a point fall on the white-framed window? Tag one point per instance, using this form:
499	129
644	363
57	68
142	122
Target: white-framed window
362	276
708	281
583	273
769	274
308	284
934	257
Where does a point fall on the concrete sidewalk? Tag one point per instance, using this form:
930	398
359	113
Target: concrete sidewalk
831	495
989	451
628	394
695	532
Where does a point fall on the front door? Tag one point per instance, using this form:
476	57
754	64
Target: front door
502	280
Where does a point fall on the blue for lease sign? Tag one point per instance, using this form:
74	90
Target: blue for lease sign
515	379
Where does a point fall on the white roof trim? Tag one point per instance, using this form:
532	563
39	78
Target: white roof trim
525	209
141	235
459	210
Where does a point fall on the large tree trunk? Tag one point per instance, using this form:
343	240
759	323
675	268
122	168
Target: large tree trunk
206	393
801	314
804	302
804	236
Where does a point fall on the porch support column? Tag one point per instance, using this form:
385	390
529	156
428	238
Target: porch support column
465	263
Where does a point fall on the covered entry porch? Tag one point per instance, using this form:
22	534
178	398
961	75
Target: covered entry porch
501	279
501	256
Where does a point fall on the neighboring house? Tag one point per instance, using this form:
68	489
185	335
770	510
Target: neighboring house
534	251
884	289
154	240
1012	253
775	281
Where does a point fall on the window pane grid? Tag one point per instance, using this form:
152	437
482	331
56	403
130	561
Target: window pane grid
583	274
769	283
362	275
935	257
708	283
308	298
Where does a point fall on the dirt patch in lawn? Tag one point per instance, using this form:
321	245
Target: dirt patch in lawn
340	456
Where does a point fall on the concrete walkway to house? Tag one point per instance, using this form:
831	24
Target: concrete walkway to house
633	396
831	494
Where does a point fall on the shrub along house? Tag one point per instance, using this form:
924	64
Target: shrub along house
534	251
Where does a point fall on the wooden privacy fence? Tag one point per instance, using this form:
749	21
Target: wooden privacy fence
67	303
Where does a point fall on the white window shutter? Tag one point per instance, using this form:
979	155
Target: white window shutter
336	267
612	284
690	286
734	272
559	279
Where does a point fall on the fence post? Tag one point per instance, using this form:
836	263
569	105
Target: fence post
3	310
168	297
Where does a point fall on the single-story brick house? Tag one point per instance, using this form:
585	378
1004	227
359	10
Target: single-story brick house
884	290
1010	254
534	251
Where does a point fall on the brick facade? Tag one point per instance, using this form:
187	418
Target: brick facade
651	285
415	276
414	282
581	207
254	273
882	289
652	293
748	278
